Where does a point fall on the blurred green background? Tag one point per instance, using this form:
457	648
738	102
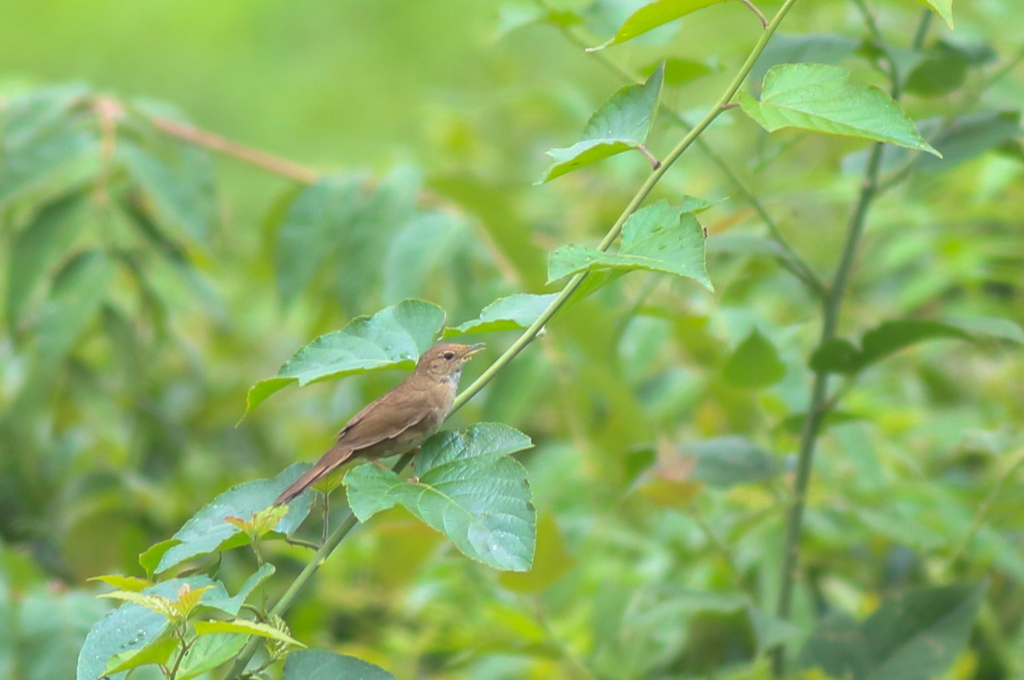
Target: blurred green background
920	486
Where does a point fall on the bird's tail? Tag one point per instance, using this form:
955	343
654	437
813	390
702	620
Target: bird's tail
328	463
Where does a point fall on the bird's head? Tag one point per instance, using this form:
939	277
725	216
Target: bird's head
444	361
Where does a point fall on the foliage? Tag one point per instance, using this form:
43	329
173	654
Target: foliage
711	437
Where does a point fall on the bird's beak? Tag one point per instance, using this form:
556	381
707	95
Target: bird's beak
474	349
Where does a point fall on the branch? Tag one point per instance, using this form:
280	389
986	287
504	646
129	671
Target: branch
226	146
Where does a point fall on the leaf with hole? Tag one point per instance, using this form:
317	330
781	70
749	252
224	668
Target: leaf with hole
469	489
620	124
657	238
821	98
395	337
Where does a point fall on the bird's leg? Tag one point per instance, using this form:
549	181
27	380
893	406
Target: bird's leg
327	507
415	479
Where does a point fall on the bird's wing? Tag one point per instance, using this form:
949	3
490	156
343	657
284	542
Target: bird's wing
386	418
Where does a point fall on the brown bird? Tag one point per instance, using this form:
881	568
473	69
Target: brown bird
399	420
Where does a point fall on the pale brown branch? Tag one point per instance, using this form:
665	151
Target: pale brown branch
755	10
228	147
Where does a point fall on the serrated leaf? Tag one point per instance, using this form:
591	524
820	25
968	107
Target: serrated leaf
207	531
469	489
181	186
944	8
312	229
188	599
131	583
154	603
392	338
653	15
77	293
913	637
755	363
38	246
156	652
515	312
821	98
621	123
656	238
244	626
318	664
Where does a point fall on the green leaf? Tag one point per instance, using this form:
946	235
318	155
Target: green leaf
41	144
392	338
679	71
515	312
41	243
652	15
550	563
469	489
842	356
122	582
420	247
207	531
656	238
208	652
245	626
78	290
821	98
755	363
219	599
913	637
770	631
967	137
944	8
156	652
362	244
937	75
319	664
130	627
152	556
743	244
181	186
312	229
45	627
621	123
837	355
728	461
798	48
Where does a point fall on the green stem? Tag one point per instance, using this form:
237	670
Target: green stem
535	328
790	261
332	542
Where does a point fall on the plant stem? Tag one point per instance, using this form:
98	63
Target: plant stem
530	333
818	407
243	658
791	261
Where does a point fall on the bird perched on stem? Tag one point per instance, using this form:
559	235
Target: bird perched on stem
398	421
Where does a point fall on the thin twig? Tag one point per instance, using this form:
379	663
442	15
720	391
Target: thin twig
229	147
655	163
758	12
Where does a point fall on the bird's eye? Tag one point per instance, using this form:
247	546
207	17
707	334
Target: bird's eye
449	355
